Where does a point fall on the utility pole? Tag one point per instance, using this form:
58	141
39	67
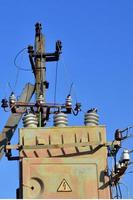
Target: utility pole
40	69
38	57
58	155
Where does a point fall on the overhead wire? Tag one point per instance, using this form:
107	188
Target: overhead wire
17	76
128	195
13	88
70	90
120	192
9	85
56	80
68	79
16	80
15	60
117	195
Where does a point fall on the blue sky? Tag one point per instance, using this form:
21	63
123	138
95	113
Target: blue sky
97	37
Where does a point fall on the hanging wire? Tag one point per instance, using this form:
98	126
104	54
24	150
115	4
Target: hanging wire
15	61
120	192
117	195
16	81
26	98
68	79
70	90
127	135
9	85
56	79
128	195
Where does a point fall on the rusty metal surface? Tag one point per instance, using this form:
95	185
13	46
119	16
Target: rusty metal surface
40	70
43	178
14	119
67	162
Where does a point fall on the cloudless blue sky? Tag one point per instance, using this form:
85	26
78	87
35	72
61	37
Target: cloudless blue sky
97	37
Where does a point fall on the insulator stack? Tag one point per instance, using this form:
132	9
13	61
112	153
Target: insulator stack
30	120
125	155
69	101
118	166
91	118
60	119
4	103
118	135
12	98
40	99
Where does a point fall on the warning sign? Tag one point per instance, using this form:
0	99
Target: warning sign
64	187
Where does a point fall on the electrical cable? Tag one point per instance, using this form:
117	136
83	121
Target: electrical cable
56	79
15	60
16	81
116	189
9	85
128	195
119	190
71	88
117	184
67	76
9	109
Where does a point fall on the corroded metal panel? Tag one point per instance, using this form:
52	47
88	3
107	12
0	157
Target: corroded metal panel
44	178
65	162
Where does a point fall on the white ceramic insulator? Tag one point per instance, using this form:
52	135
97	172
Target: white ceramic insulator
126	156
69	100
118	166
60	119
40	99
12	98
91	119
30	120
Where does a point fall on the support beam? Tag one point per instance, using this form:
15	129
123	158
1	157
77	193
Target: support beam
14	119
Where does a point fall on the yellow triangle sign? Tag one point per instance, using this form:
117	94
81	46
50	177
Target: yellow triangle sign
64	187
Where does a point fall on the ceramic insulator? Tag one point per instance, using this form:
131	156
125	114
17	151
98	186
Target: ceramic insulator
91	118
30	120
60	119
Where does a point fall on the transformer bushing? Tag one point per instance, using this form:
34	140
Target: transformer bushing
91	118
125	155
12	98
69	100
40	99
30	120
60	119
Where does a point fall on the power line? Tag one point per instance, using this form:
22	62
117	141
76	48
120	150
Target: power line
56	79
69	79
120	190
16	81
15	60
128	195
